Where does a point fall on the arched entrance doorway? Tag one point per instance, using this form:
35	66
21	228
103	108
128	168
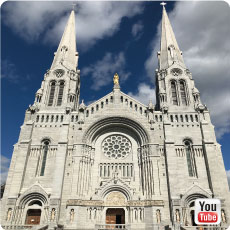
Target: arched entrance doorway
115	216
33	216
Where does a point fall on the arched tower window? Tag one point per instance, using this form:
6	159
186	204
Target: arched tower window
60	93
183	93
190	159
52	92
174	93
44	157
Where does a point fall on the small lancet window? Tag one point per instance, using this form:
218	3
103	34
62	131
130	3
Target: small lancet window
52	91
60	93
183	93
160	118
174	93
190	159
44	157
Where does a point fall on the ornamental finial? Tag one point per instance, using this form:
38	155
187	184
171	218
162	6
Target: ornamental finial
163	4
74	6
116	79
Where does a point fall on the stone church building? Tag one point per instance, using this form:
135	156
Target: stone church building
116	162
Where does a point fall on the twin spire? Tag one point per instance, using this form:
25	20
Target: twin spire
66	54
169	51
169	54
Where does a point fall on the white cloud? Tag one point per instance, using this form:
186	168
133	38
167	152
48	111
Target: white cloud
9	71
228	177
202	31
144	94
137	29
94	20
4	168
102	71
30	19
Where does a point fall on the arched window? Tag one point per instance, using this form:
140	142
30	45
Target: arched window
52	91
174	93
183	93
44	157
190	159
60	93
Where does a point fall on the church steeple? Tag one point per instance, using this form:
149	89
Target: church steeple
67	51
61	86
169	52
175	86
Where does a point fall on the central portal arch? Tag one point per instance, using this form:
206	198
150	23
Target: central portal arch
115	216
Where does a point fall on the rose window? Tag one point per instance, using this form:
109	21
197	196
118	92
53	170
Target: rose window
116	147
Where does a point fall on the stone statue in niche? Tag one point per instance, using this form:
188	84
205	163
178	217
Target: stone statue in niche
53	214
9	213
71	215
223	217
177	215
115	176
158	215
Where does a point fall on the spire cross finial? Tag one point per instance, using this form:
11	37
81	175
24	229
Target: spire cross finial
163	4
74	6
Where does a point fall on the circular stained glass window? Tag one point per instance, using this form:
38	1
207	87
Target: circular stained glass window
116	147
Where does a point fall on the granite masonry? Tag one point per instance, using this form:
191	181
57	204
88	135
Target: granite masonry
115	162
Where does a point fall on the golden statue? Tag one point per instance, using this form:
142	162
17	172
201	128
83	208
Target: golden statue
116	79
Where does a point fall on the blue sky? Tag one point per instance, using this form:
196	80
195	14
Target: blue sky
112	37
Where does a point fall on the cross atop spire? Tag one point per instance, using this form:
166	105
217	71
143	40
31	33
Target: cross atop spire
163	4
74	6
170	52
66	54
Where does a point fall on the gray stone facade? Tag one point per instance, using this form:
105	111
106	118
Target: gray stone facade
74	164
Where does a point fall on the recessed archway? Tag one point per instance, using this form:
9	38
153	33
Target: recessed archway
115	216
33	216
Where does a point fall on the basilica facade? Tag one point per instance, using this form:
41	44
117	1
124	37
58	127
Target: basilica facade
115	162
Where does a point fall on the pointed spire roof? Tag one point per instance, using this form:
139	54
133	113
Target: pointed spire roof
67	50
170	52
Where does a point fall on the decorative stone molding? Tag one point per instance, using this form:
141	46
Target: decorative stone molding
59	73
131	203
176	72
124	122
115	199
75	202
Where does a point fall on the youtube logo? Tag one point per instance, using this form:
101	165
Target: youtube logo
207	211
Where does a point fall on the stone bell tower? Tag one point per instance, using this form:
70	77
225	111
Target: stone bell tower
175	86
60	88
38	163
